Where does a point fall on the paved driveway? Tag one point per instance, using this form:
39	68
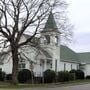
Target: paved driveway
76	87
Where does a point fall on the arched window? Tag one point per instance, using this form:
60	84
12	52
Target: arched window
46	39
56	39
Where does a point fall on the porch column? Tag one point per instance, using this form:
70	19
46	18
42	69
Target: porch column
45	64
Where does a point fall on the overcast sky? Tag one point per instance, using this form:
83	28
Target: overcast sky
79	15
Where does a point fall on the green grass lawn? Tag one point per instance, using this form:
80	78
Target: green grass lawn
76	82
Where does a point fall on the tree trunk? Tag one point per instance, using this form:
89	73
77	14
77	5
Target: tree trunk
15	61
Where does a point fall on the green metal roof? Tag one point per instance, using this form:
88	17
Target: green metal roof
68	55
84	57
50	24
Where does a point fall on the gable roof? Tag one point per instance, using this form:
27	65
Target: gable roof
68	55
46	53
50	24
84	57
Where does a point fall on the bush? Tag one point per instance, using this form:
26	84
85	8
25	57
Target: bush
63	76
88	77
49	76
24	76
2	76
80	74
9	77
71	76
73	72
38	80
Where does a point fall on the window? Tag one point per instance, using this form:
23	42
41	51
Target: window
51	65
46	39
71	66
77	67
56	40
21	66
56	65
64	67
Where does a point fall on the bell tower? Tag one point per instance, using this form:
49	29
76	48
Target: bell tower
50	41
50	34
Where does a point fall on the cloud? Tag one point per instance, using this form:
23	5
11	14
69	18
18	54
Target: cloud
79	15
81	42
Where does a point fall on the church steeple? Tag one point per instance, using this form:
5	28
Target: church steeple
50	24
50	33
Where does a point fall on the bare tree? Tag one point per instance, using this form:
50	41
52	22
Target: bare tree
18	17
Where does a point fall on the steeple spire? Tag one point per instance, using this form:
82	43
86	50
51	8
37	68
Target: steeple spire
50	24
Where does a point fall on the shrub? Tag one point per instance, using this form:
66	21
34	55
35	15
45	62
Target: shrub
71	76
63	76
24	76
73	72
2	76
38	80
9	77
88	77
49	76
80	74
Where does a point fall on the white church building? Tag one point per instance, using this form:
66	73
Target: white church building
50	54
